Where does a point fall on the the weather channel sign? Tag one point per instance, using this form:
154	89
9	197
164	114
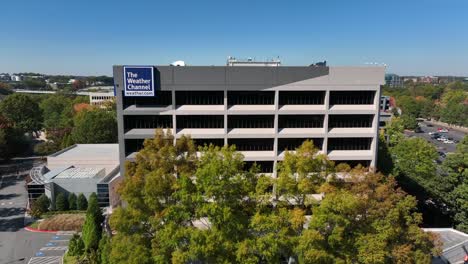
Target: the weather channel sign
139	81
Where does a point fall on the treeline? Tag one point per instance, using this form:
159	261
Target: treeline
441	189
182	207
447	103
65	119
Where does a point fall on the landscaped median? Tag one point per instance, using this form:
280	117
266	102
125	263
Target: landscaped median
58	222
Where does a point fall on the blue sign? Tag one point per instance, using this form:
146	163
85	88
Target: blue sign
139	81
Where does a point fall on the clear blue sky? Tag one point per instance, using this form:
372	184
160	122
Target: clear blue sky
425	37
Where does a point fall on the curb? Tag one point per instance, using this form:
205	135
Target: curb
30	229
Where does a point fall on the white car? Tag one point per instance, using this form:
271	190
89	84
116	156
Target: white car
443	131
432	133
448	141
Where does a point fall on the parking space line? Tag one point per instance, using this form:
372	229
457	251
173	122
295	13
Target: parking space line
45	260
53	248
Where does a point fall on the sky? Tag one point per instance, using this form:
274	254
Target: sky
412	37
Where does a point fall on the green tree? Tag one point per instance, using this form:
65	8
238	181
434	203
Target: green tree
72	201
96	126
61	202
301	174
369	221
81	202
12	142
394	131
104	249
455	168
23	111
92	227
40	206
76	246
52	108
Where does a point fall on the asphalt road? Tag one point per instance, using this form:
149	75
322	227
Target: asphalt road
456	135
16	244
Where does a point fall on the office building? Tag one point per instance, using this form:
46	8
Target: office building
393	81
81	168
100	99
263	110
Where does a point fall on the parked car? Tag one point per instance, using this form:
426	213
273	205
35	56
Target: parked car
432	133
444	130
442	154
448	141
429	125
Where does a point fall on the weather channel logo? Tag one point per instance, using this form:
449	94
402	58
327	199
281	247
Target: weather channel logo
139	81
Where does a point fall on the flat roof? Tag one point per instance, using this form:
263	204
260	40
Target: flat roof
78	173
89	151
449	236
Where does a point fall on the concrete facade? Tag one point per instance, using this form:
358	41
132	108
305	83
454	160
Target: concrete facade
330	82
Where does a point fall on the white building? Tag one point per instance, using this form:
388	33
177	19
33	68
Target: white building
99	99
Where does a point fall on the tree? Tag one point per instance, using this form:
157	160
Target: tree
301	174
92	228
23	111
96	126
81	202
72	201
184	207
369	221
52	108
40	206
12	142
104	249
76	246
455	171
61	202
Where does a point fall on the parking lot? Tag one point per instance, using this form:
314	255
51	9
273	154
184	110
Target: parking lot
442	147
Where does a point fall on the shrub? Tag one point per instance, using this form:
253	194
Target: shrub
72	201
40	206
92	227
61	203
76	246
63	222
81	202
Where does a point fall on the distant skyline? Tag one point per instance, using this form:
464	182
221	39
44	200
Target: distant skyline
426	37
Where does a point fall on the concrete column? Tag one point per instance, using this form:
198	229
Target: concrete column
325	121
174	119
275	141
225	116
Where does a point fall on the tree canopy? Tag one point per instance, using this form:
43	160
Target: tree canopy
209	207
23	111
95	126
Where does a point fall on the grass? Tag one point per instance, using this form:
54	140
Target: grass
63	222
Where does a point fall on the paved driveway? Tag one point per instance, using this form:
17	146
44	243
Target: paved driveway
16	244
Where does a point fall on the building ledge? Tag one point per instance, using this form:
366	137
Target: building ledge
350	155
353	109
301	109
148	110
352	132
251	133
301	132
201	132
258	155
200	109
142	133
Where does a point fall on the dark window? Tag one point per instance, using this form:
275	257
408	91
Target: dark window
35	190
252	144
147	121
103	195
257	121
264	166
208	141
350	121
199	121
293	143
133	145
300	121
251	98
199	97
349	143
160	99
301	97
351	97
